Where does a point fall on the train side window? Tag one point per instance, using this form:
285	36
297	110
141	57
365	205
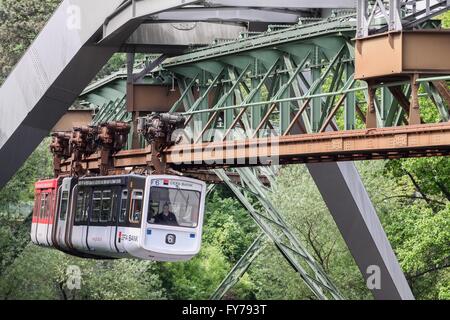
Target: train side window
123	206
37	206
79	206
113	217
136	206
49	206
105	215
87	205
64	205
97	205
43	205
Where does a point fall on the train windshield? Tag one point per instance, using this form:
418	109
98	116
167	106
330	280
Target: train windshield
174	207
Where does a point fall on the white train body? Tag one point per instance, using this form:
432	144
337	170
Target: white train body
145	217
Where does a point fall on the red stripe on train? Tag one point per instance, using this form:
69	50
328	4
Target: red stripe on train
46	184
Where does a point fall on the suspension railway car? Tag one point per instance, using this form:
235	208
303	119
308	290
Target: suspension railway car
130	216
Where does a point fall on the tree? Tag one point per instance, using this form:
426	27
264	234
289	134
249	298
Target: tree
414	213
228	226
228	232
298	199
197	278
445	17
21	187
20	21
42	273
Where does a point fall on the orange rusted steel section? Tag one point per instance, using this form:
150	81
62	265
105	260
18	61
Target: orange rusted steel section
378	143
400	54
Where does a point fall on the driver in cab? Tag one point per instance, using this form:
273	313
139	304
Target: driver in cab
166	217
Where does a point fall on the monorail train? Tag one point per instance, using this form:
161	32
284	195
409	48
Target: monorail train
156	217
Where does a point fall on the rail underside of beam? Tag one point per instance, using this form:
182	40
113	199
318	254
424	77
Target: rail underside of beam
381	143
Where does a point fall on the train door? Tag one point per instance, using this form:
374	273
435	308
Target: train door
130	217
122	220
41	229
52	215
82	204
35	218
55	221
100	220
116	207
62	213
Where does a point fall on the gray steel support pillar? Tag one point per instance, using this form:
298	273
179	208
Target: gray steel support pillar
344	194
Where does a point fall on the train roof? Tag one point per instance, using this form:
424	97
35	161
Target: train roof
46	184
108	180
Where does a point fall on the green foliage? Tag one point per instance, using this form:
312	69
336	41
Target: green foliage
117	61
422	241
14	237
31	276
228	227
415	214
197	278
21	187
120	280
40	273
20	21
305	212
275	279
429	176
445	17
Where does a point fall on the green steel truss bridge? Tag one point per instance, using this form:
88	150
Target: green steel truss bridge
305	72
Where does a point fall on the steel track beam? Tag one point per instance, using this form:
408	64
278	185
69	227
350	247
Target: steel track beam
228	15
126	19
380	143
285	4
171	38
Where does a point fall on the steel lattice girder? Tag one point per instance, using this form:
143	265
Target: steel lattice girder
49	77
397	288
291	248
240	267
235	70
325	45
245	67
395	15
274	226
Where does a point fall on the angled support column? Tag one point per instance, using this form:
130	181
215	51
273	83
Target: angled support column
344	194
